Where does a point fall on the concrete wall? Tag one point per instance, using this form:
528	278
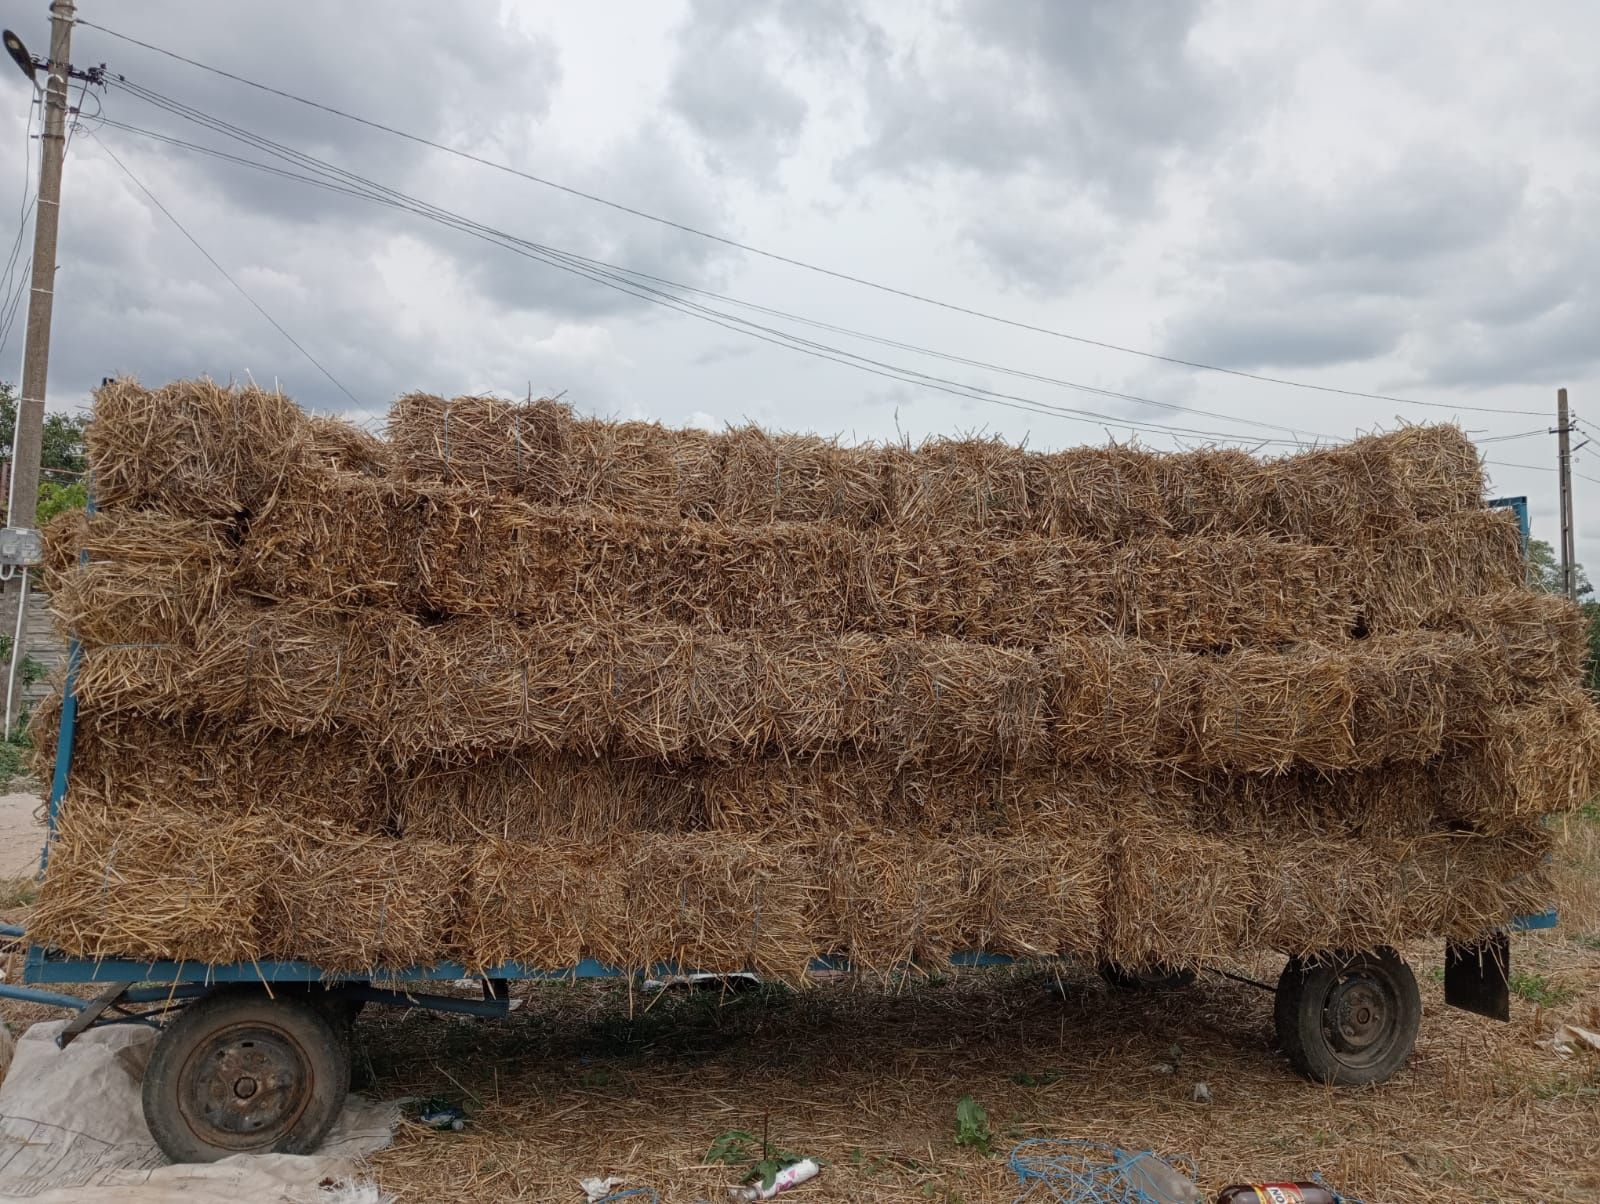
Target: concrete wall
43	643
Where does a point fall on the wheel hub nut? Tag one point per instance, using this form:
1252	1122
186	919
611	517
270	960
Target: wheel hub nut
244	1087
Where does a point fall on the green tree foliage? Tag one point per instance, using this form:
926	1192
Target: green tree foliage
1546	570
61	459
55	498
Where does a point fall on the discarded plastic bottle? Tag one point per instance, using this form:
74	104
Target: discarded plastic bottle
1276	1193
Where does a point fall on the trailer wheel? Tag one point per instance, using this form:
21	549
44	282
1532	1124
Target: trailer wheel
1151	978
239	1072
1348	1018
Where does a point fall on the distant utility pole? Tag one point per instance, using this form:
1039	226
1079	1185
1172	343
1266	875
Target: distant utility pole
1569	556
23	501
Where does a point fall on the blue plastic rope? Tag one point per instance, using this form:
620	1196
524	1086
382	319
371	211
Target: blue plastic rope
1084	1172
629	1193
1338	1196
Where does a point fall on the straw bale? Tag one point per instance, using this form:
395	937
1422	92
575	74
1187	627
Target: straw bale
1264	712
351	901
720	905
149	678
699	474
1122	701
1403	577
1464	885
146	537
540	798
344	447
1176	897
1527	642
1037	897
1316	895
1409	693
477	554
772	478
538	904
299	669
1323	895
137	576
1438	468
348	539
293	669
484	685
481	441
1209	490
155	883
130	762
961	485
1217	591
1388	801
107	602
63	539
954	702
1533	759
195	448
1102	493
1340	493
845	793
1179	897
626	468
895	899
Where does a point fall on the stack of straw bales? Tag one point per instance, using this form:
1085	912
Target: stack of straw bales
512	684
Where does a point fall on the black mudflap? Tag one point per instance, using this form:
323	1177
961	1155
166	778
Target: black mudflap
1477	976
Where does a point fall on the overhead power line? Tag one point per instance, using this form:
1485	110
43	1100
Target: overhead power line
15	283
791	261
1529	467
1509	438
340	180
276	325
353	184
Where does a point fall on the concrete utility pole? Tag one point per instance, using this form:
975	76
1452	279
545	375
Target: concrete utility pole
26	444
20	548
1569	553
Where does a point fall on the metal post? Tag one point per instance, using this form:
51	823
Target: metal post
1569	557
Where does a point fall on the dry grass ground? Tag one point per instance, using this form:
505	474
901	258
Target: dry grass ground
585	1080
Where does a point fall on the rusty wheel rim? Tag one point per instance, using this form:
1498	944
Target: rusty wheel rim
245	1087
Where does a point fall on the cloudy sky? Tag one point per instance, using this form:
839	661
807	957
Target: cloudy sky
1395	199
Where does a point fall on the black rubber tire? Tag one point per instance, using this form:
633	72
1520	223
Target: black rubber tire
1152	978
283	1053
1348	1019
